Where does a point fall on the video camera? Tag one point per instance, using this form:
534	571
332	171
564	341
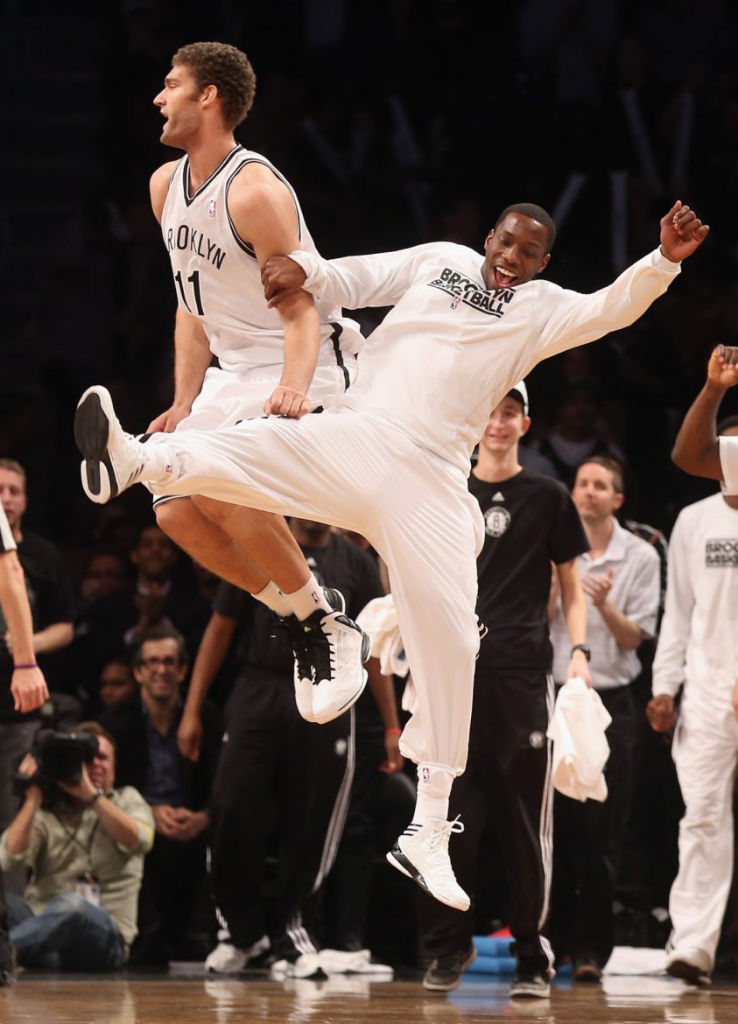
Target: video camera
59	757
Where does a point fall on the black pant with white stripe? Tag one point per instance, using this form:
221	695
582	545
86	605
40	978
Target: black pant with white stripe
282	787
505	793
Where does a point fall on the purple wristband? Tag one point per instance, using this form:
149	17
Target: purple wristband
30	664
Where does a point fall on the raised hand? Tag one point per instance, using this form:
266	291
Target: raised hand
722	369
681	232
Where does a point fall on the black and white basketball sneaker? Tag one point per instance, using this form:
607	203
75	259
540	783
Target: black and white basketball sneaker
113	460
329	650
421	852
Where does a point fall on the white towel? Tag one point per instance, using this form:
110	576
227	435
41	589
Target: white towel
580	749
378	619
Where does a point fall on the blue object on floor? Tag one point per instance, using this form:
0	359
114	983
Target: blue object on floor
492	965
491	945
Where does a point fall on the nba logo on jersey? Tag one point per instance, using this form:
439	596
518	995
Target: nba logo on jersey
455	302
211	209
425	774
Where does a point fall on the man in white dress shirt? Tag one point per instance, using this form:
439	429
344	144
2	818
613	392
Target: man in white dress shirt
390	458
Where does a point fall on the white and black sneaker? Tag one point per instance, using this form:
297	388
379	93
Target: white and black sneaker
421	852
113	460
300	636
329	650
229	959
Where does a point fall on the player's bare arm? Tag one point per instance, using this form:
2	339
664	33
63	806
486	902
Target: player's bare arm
159	186
282	278
192	357
696	448
263	212
191	348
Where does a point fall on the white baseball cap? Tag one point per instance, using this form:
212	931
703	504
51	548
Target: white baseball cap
520	392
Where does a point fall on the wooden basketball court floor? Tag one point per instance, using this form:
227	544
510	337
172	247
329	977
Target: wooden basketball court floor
39	998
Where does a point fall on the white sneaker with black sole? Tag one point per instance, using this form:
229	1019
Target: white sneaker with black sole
113	460
421	853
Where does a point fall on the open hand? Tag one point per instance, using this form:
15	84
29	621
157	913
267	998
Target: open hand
681	232
288	402
166	421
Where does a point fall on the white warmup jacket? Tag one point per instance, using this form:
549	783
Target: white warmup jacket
697	651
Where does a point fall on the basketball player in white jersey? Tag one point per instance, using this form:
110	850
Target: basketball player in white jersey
390	459
223	211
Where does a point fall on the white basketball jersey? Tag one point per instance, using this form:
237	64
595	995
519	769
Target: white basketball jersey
217	276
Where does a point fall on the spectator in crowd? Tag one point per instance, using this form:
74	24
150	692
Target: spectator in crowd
158	597
620	577
50	596
84	843
274	766
28	686
144	726
698	448
116	683
576	435
697	654
530	524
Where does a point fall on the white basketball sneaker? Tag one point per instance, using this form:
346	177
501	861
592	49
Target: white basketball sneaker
229	959
338	648
113	460
421	852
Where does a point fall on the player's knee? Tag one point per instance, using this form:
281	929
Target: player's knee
174	517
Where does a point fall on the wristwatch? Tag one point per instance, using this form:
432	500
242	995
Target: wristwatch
95	797
584	648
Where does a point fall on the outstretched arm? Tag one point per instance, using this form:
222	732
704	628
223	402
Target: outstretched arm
352	281
569	318
696	448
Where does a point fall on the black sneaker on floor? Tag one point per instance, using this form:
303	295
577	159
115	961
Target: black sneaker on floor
529	983
688	972
587	969
444	972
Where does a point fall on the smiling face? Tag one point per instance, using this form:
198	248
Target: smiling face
181	104
160	671
505	426
515	251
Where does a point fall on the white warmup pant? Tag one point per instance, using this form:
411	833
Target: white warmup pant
229	396
346	469
705	753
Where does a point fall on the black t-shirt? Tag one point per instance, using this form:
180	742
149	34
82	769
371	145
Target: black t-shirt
51	597
341	564
530	521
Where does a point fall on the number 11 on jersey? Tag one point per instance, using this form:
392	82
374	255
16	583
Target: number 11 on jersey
194	280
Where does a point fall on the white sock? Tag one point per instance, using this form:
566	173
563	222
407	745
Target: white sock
434	790
310	596
273	598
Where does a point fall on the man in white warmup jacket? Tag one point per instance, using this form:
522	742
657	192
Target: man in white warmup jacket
697	653
390	458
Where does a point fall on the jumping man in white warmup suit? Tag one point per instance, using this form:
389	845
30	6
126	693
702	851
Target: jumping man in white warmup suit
390	458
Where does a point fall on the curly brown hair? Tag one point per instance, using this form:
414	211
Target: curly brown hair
228	69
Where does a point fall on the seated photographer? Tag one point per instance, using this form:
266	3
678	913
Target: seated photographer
145	729
84	842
